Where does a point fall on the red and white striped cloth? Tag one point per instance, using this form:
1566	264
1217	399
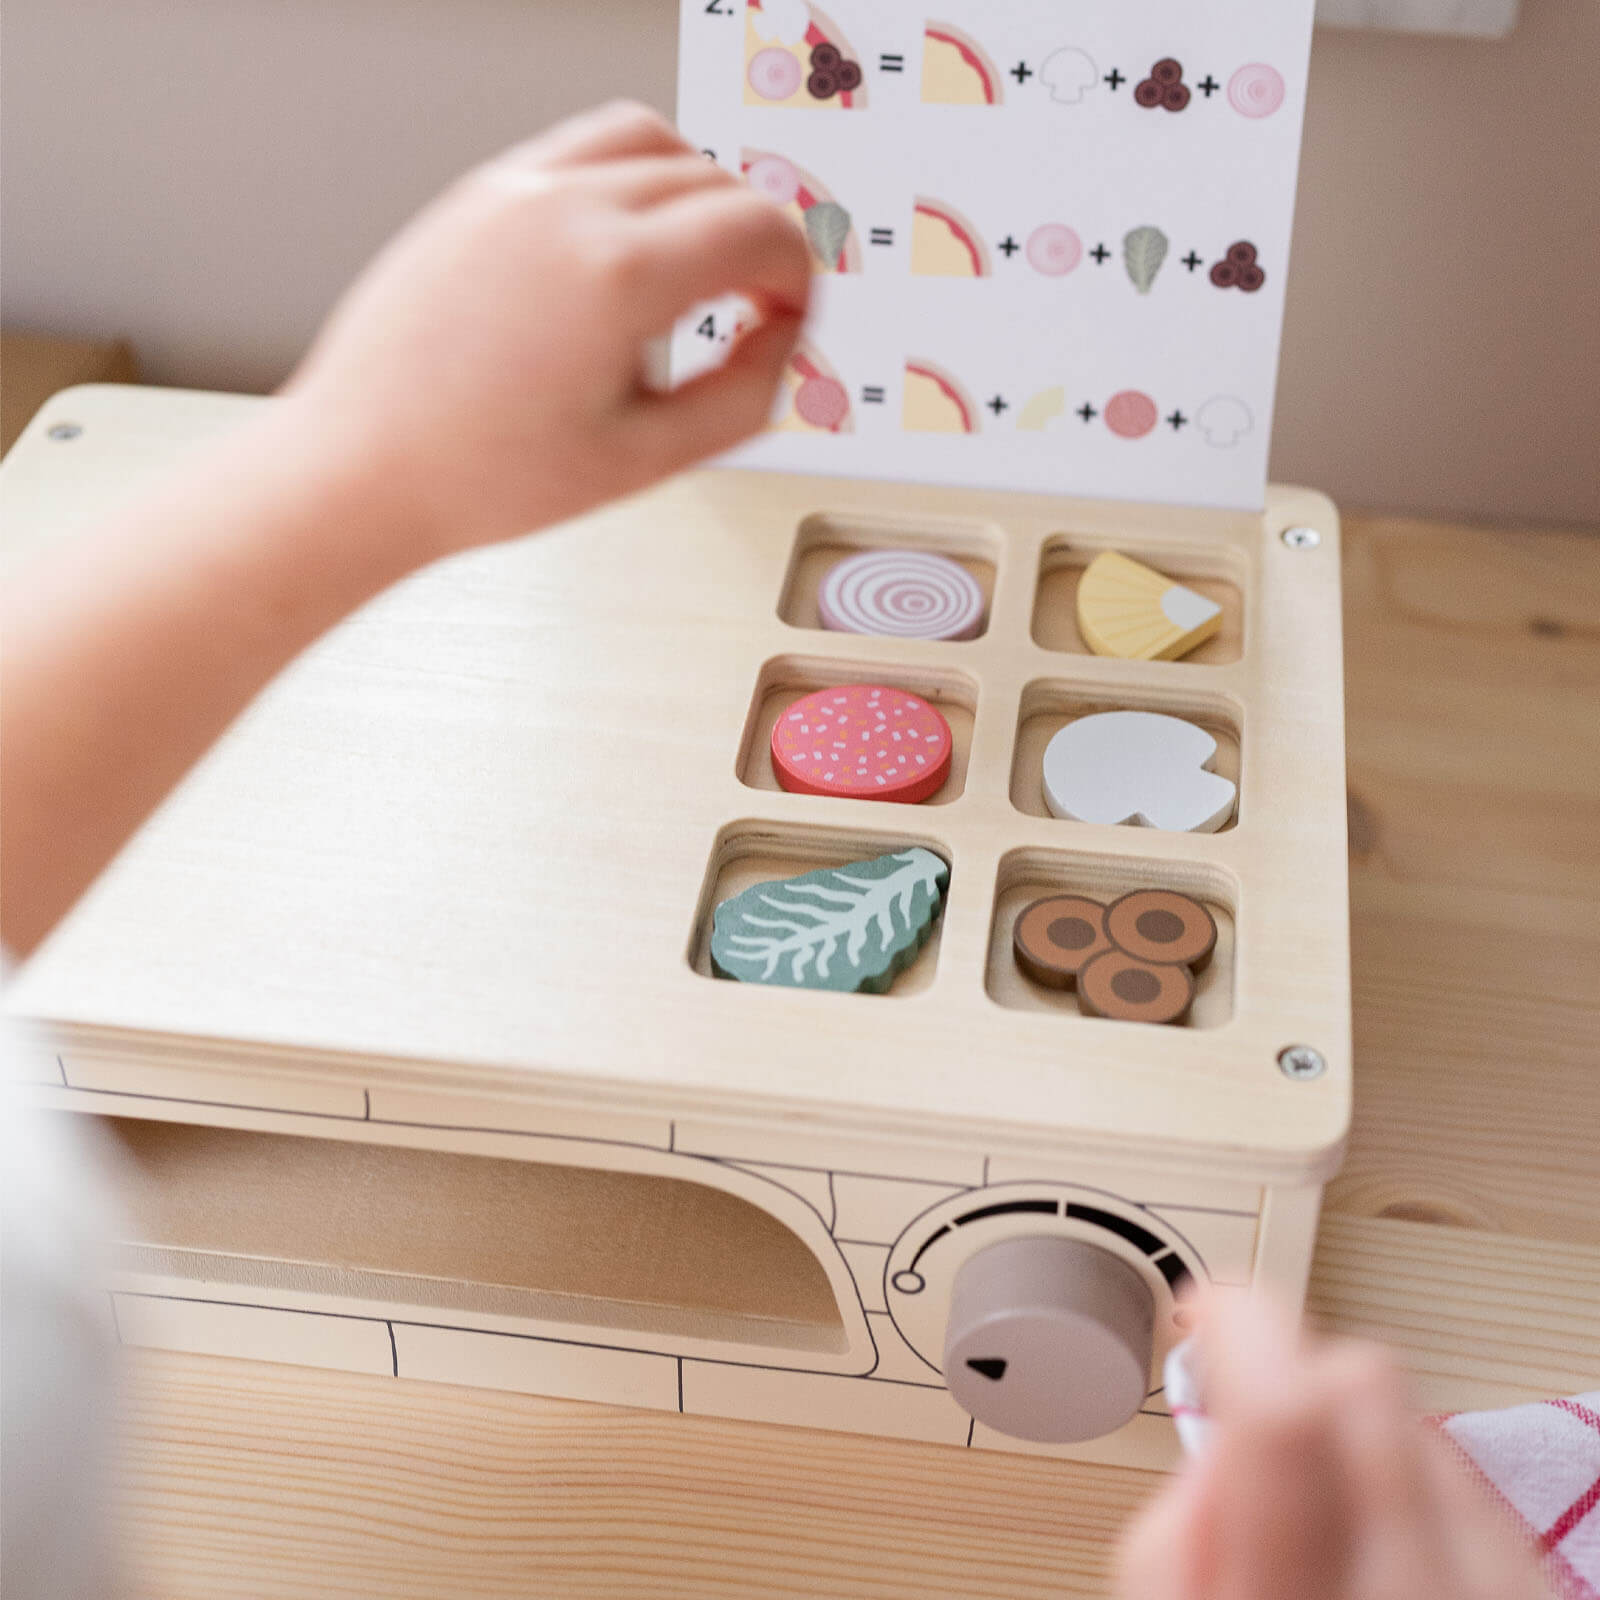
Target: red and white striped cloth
1542	1463
1539	1462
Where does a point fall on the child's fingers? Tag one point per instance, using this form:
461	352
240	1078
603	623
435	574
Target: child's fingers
721	241
1423	1526
1164	1555
621	128
1378	1435
1326	1483
1250	1355
1401	1538
639	182
1280	1515
719	409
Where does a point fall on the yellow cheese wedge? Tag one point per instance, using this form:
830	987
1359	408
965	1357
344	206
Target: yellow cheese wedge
1129	610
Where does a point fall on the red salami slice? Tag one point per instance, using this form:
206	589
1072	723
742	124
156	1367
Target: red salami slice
865	741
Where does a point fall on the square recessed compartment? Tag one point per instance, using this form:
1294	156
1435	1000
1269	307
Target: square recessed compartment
1049	705
825	539
785	679
1029	875
752	852
1220	576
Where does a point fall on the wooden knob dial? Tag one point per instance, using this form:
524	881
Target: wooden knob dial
1049	1339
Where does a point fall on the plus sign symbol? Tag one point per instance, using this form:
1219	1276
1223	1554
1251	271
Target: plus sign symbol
1008	247
1101	255
1020	72
997	405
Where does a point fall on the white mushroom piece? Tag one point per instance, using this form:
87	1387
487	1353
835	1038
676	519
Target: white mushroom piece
1069	75
1224	419
1138	767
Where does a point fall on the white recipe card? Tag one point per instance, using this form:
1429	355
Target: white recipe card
1050	236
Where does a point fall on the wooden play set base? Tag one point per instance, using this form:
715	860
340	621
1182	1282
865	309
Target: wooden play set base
402	1011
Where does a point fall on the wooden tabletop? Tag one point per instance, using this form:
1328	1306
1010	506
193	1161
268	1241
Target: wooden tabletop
1464	1230
37	365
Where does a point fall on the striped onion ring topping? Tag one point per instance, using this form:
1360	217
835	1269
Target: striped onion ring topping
904	593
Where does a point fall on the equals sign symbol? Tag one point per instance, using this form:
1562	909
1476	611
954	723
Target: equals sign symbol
891	63
872	396
881	235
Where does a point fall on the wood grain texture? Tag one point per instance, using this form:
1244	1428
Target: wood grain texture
1480	1319
257	1480
1473	671
1472	686
488	665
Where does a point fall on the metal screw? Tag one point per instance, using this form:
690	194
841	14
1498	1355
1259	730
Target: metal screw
1301	538
64	430
1301	1062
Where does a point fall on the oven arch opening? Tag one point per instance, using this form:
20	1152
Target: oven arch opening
487	1239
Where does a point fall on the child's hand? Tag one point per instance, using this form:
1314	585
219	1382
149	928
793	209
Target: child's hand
485	375
1318	1483
481	379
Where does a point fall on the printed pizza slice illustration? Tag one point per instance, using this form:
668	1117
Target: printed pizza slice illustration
956	70
944	244
834	245
811	397
796	55
934	402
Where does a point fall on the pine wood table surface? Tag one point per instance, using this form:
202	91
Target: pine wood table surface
1464	1230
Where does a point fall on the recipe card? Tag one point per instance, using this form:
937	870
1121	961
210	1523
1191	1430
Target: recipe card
1050	239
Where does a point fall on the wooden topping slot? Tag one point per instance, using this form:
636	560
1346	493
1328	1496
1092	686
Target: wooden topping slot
907	594
1126	989
1133	961
1137	767
1130	610
864	741
1054	938
1162	926
852	929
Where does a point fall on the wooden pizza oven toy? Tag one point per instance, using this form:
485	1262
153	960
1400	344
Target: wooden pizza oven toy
404	1015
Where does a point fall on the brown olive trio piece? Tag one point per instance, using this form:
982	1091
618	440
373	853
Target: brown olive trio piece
1133	960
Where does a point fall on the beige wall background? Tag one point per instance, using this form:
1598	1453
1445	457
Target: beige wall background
204	175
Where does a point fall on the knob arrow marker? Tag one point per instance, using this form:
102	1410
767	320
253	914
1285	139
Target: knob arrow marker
991	1367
